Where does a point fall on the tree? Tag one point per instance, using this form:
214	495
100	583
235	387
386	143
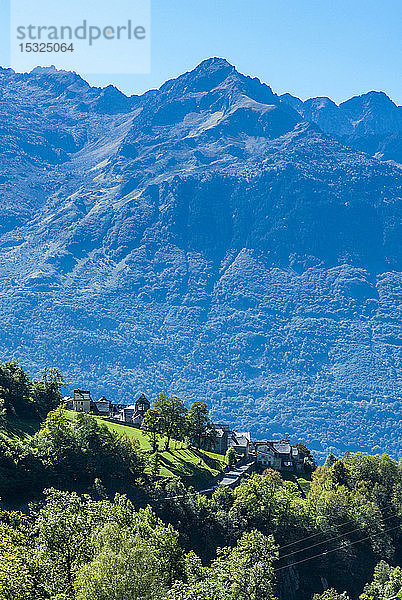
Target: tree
339	473
104	452
246	570
309	462
123	568
152	426
172	417
268	503
3	419
387	582
46	393
57	446
153	463
202	590
222	499
93	550
331	594
302	448
16	580
135	557
330	460
21	397
63	534
231	456
80	450
15	389
199	427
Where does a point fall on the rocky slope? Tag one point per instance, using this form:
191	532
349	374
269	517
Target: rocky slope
208	239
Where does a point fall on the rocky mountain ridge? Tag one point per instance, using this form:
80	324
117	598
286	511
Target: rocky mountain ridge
370	123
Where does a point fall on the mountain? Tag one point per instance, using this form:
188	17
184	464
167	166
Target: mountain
369	123
209	240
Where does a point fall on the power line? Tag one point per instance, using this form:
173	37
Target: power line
335	549
301	539
330	539
315	534
349	521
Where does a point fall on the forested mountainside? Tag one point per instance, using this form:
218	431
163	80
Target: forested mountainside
209	239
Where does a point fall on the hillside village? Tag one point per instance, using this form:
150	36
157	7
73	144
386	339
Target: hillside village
279	455
96	468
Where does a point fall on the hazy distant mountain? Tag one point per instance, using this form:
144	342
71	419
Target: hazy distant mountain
208	239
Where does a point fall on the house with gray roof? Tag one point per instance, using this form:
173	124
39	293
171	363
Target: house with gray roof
135	413
281	456
240	441
220	443
226	438
101	407
82	401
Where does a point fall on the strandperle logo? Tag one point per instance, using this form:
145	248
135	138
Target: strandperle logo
85	31
86	36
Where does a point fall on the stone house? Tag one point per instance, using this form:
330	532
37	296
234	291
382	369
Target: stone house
68	402
280	456
227	438
220	443
82	401
135	413
101	407
142	405
240	441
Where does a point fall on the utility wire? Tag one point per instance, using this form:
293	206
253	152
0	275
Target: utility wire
311	536
349	521
301	539
329	539
335	549
315	534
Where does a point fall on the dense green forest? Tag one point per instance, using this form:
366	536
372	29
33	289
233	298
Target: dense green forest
83	518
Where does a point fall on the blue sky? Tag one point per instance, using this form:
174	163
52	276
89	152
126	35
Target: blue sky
336	48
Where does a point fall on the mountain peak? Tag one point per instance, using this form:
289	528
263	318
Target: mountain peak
215	63
51	70
217	78
56	78
369	99
204	77
320	101
373	113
